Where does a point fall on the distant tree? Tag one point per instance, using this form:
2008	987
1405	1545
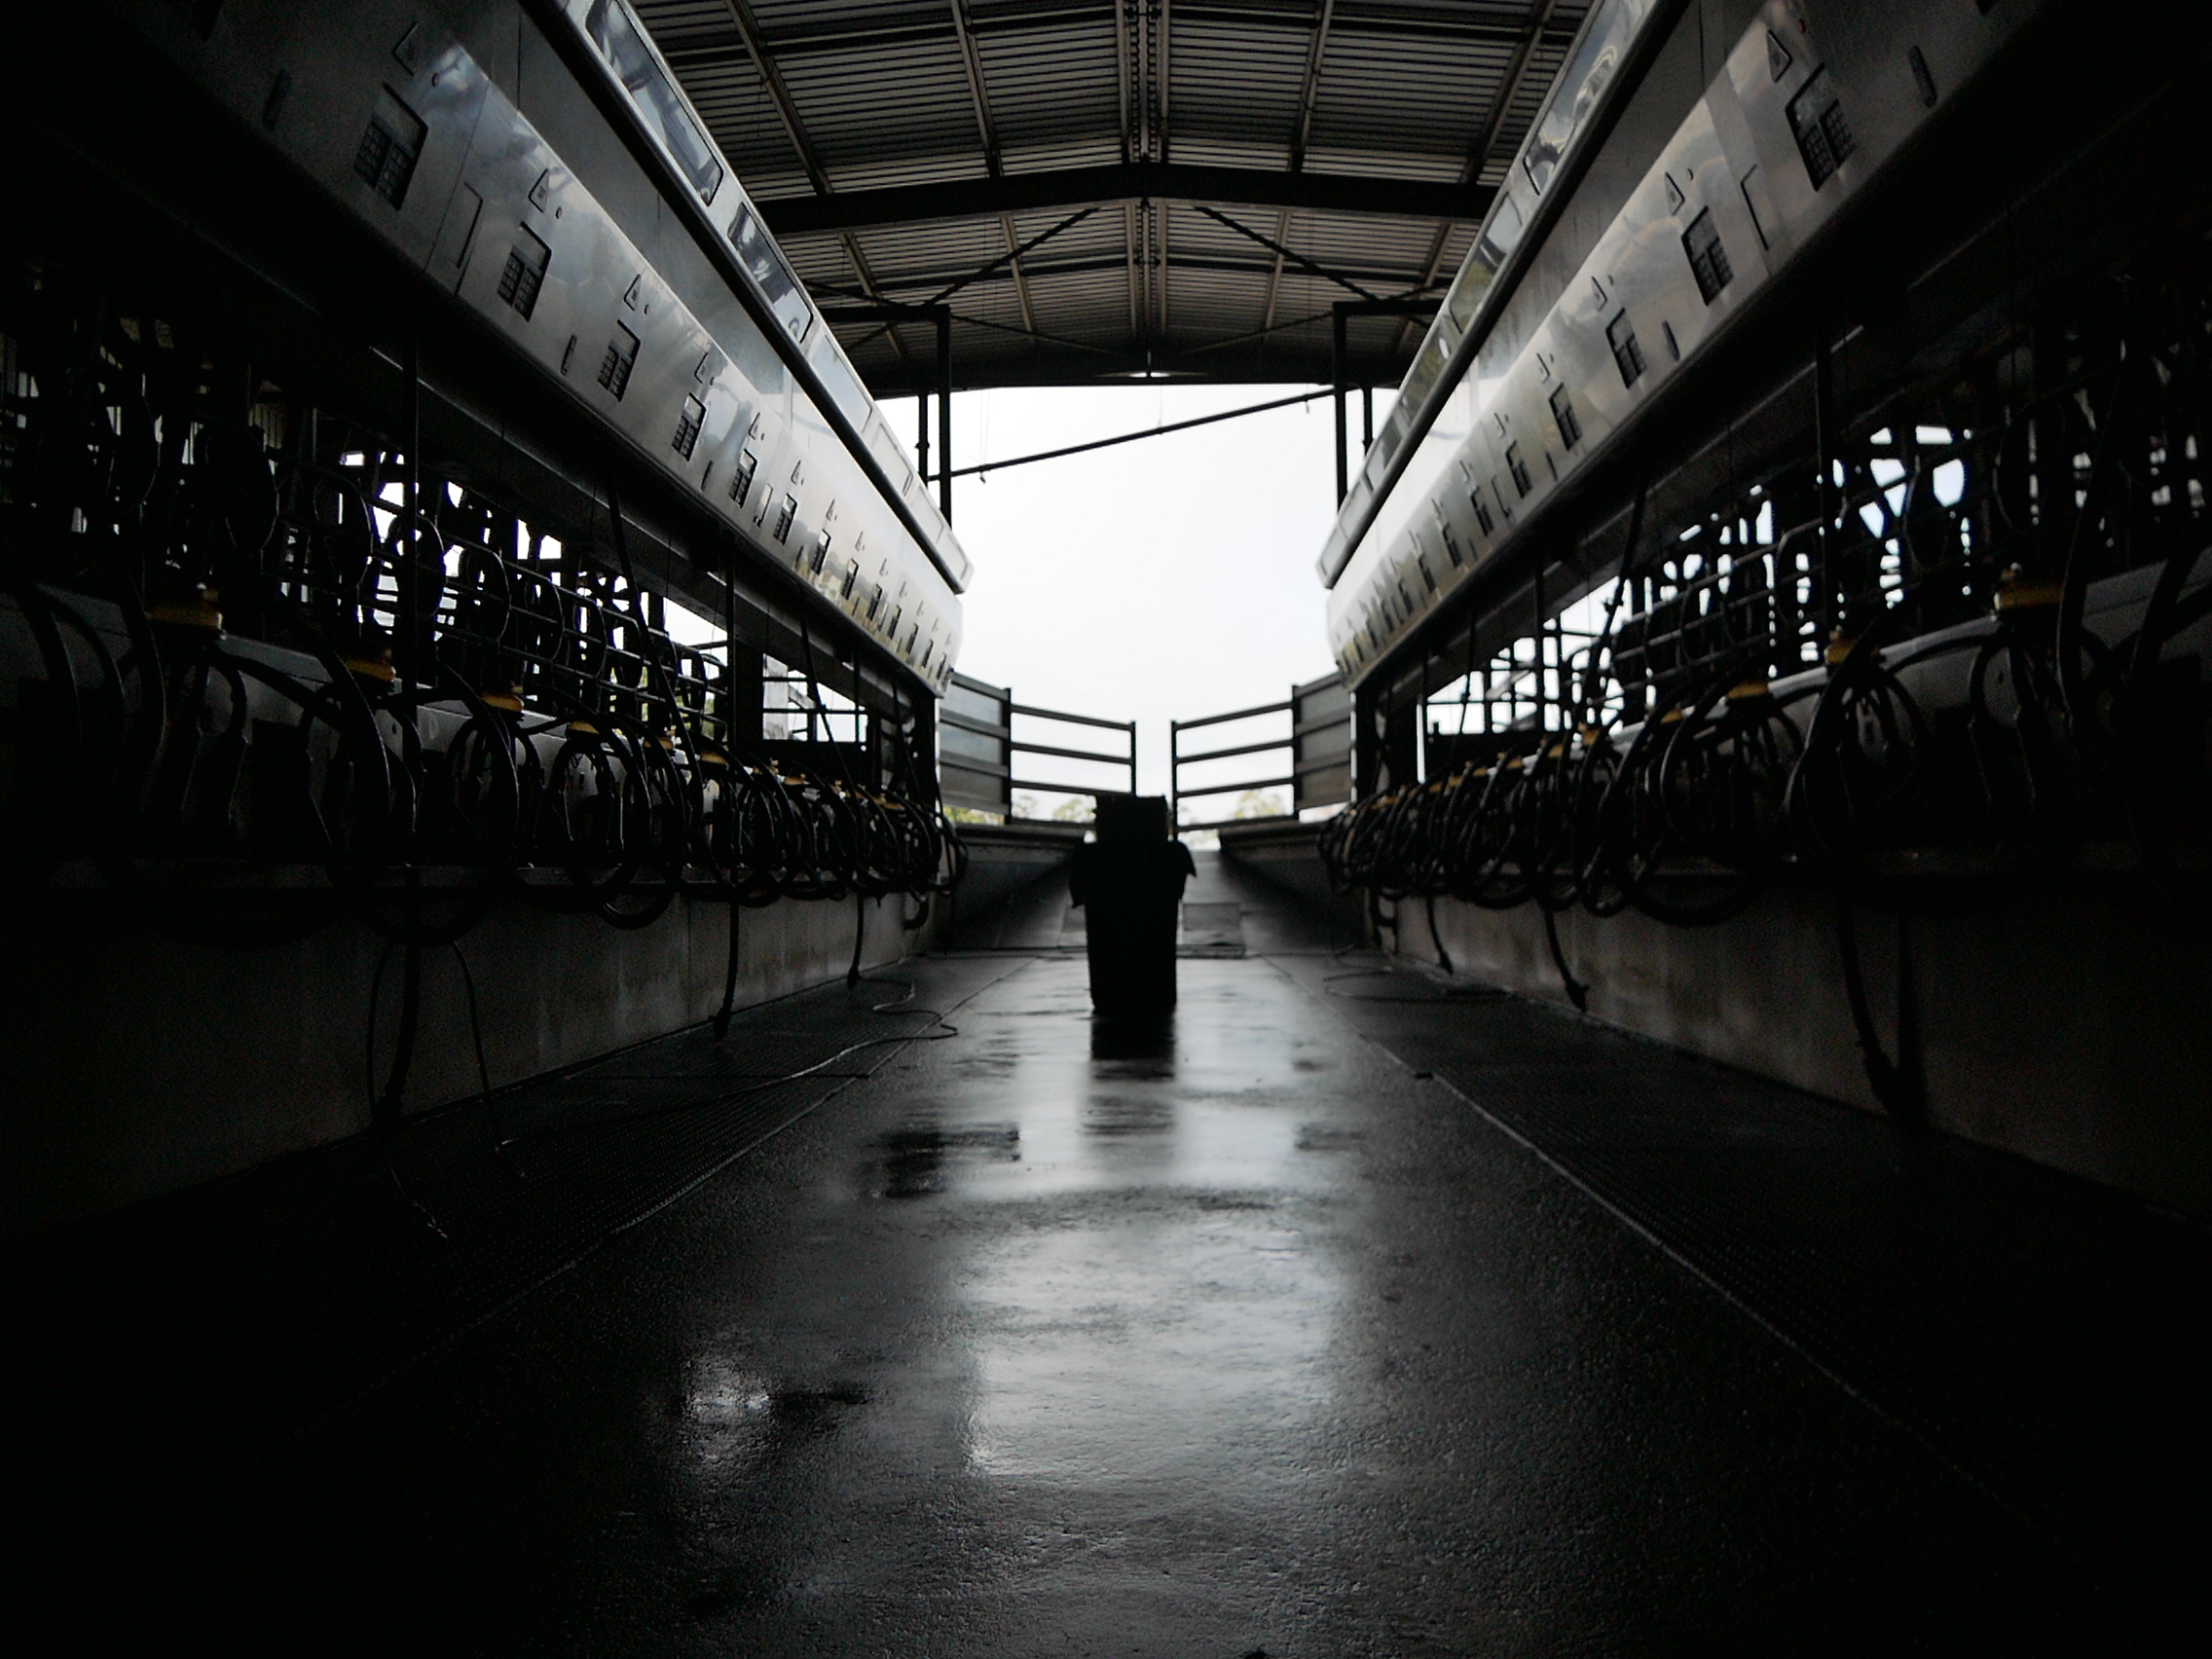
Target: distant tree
1261	804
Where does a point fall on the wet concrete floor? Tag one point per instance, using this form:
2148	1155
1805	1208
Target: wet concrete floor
1251	1333
1230	1339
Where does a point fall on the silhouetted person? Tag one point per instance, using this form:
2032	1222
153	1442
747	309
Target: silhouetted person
1129	882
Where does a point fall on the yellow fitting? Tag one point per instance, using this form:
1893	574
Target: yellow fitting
2029	596
502	700
198	615
371	668
1744	692
1838	649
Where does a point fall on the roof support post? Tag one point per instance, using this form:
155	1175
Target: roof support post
945	412
1337	379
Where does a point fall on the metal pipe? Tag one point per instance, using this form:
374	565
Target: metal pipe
1337	381
944	413
1133	437
1825	449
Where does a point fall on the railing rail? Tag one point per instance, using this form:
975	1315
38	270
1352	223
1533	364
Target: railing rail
1317	745
977	766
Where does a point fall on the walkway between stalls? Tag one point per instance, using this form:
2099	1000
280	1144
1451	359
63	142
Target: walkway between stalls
1355	1311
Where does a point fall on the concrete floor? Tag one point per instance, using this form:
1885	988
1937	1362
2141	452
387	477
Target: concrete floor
1232	1337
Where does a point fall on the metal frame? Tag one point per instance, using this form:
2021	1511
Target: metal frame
940	316
1339	313
1061	716
1144	181
1178	760
1306	729
1001	731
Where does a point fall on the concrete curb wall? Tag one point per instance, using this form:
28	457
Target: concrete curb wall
138	1065
2066	1025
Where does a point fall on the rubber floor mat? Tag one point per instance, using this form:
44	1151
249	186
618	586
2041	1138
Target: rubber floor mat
2045	1336
269	1301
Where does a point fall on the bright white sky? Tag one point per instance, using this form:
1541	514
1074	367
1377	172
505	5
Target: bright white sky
1155	581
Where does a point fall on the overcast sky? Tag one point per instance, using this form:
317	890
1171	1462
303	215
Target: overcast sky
1155	581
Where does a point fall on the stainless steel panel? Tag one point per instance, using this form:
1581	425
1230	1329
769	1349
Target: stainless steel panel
1738	156
482	183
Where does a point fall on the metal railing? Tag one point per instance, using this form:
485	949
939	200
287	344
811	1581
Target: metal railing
978	748
1319	747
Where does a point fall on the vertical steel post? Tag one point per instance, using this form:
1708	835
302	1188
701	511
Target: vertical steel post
1337	379
1544	706
922	435
1824	446
410	594
945	412
1174	777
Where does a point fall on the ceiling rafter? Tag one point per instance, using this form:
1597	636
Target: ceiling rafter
1491	25
979	94
1064	188
1213	135
1165	57
1351	279
1285	253
1486	141
772	78
1121	90
1308	96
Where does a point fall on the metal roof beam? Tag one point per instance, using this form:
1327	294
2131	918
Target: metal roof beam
786	111
1283	253
979	93
1493	127
1110	259
771	77
1310	95
1503	24
1134	181
1301	129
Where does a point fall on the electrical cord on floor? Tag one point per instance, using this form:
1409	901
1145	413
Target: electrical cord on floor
484	1071
1897	1084
1445	993
729	977
384	1124
1443	956
1577	991
760	1085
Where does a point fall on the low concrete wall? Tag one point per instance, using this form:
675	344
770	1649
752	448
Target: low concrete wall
1002	859
2067	1025
1288	855
138	1065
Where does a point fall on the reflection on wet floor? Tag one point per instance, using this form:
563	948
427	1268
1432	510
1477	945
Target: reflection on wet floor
1220	1336
916	1157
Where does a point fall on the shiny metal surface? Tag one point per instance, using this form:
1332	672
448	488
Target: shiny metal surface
1735	156
697	396
1596	72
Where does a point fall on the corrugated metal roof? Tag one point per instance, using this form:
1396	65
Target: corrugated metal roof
1265	120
